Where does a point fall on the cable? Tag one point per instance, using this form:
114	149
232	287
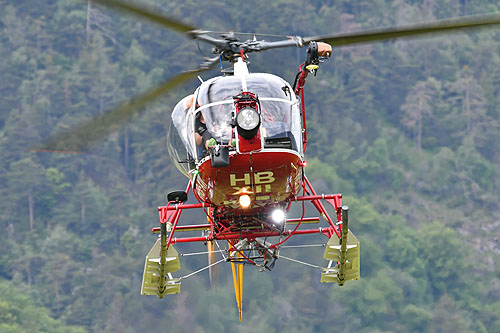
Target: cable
199	253
200	270
221	251
299	246
300	262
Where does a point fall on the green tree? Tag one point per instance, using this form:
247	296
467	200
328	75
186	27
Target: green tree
18	313
470	99
25	180
418	103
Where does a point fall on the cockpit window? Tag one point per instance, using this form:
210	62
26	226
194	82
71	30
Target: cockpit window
215	100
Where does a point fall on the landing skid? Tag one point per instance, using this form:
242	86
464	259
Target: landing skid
249	246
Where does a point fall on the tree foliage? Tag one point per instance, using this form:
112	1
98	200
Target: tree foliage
407	130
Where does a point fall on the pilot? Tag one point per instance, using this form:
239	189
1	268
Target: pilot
203	137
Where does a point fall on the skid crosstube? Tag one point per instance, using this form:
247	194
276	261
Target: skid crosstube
342	249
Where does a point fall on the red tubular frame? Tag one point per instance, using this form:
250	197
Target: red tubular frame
251	236
172	211
299	90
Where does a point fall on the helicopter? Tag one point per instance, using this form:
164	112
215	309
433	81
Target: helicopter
240	139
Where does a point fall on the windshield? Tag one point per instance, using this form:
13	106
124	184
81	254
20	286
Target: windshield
279	109
280	113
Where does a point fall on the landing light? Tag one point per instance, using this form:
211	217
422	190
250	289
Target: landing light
245	201
278	216
247	119
248	122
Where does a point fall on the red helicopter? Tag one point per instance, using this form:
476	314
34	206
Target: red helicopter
240	138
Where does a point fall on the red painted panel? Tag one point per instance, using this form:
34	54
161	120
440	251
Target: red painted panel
269	176
246	146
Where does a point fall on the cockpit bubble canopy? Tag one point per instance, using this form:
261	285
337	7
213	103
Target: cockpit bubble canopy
280	115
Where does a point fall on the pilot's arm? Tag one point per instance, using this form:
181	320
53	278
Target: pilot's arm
198	139
202	135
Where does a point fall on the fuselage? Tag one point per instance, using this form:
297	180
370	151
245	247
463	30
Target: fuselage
267	167
269	176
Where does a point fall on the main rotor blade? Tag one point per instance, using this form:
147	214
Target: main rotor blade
78	139
465	22
177	25
145	13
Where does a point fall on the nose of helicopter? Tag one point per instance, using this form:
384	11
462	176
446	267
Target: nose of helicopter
265	177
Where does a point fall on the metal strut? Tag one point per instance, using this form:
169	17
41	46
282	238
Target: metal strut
345	252
343	247
163	259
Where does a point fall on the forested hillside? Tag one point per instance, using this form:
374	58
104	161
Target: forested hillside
408	131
